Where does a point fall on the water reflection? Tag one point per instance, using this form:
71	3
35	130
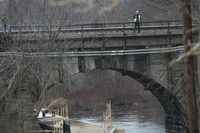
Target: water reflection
134	119
140	120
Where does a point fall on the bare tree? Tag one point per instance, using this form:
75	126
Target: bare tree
189	62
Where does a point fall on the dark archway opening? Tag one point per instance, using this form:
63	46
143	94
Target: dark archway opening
176	117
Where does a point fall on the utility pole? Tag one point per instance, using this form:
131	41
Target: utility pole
189	63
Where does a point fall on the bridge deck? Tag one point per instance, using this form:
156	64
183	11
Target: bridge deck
105	29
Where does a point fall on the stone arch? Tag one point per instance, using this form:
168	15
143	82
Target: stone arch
175	115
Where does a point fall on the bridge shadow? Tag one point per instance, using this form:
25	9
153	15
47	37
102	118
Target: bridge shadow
175	115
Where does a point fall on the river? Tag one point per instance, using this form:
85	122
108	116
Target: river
134	119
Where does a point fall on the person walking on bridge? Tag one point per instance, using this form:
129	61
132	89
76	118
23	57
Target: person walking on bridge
5	24
137	20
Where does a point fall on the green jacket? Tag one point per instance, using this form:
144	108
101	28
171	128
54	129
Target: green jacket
137	18
5	20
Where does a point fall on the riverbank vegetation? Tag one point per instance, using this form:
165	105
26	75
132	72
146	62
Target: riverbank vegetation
92	99
120	90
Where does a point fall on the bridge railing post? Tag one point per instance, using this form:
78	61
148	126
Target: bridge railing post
168	24
104	24
102	31
82	31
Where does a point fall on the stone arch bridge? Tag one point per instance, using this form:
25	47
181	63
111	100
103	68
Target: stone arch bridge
143	56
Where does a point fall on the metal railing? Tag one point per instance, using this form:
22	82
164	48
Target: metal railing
97	26
97	53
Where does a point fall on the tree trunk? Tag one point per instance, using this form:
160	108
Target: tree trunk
189	63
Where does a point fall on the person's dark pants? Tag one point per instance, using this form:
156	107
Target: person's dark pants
137	25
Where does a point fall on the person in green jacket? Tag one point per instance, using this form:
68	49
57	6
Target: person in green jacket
6	26
137	20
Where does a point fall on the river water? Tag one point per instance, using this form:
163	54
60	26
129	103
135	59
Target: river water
134	119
